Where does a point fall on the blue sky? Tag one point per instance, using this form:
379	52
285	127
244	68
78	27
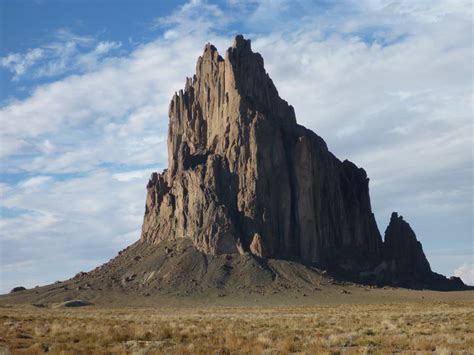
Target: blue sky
85	87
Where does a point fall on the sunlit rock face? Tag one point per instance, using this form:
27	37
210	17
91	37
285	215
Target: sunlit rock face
240	166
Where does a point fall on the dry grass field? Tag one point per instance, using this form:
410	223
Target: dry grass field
442	327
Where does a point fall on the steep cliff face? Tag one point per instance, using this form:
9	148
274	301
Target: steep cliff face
240	166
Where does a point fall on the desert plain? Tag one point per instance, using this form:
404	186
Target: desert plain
350	319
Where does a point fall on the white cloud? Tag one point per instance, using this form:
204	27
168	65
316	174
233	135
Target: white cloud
67	52
105	47
34	182
10	145
132	175
27	227
91	60
466	273
66	35
47	147
18	63
196	17
65	221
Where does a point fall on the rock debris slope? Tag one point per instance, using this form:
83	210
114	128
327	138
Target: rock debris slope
243	176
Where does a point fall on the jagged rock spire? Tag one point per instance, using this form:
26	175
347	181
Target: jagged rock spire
239	165
403	251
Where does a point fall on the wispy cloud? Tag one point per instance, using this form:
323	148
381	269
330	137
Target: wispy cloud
18	63
194	17
66	53
34	182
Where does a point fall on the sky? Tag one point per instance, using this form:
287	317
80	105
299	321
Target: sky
85	87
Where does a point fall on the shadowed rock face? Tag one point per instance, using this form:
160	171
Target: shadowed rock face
239	166
403	252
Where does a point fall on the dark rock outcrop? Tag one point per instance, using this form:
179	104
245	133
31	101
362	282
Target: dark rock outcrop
75	304
405	263
18	289
403	252
240	165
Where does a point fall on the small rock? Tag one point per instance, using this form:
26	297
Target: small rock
130	278
80	274
75	303
257	246
18	289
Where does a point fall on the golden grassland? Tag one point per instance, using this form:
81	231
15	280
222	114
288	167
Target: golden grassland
405	327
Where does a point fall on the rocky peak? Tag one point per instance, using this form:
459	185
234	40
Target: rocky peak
242	44
240	166
403	251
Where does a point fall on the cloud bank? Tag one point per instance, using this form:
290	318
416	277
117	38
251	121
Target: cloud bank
466	273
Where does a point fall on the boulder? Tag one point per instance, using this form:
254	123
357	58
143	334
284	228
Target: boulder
257	246
18	289
75	303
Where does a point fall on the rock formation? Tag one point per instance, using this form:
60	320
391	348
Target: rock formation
17	289
243	176
257	247
403	252
240	165
252	204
